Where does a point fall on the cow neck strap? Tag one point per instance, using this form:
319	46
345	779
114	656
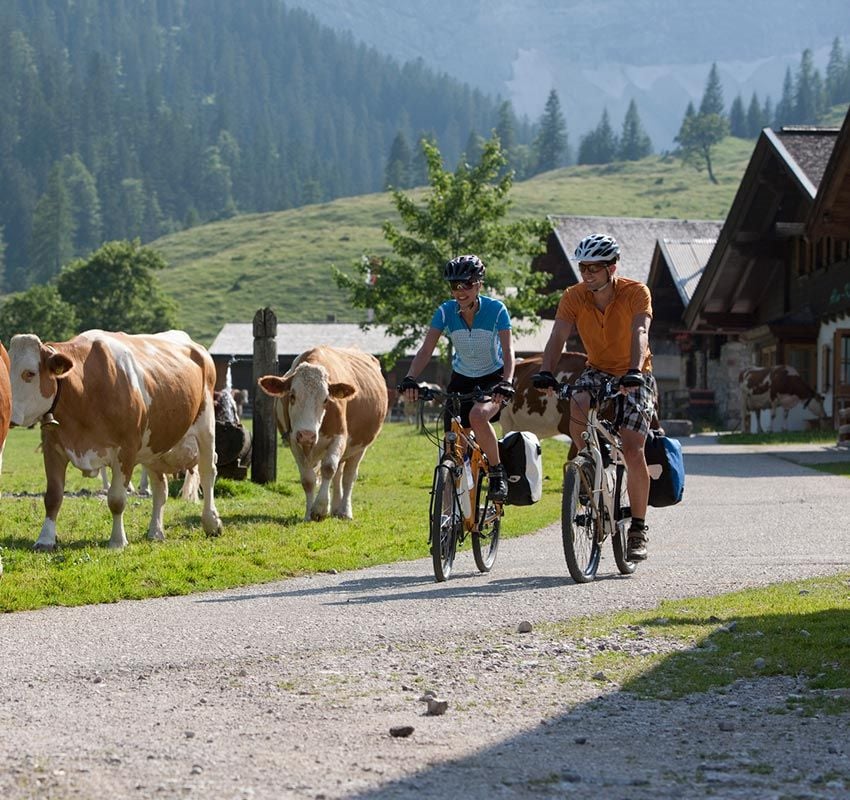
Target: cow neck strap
48	418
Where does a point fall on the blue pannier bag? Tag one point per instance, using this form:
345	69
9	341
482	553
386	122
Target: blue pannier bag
666	469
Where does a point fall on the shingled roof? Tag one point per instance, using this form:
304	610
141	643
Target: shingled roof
635	235
236	339
810	147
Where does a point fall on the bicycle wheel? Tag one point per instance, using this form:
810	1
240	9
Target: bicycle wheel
445	520
622	519
488	522
579	519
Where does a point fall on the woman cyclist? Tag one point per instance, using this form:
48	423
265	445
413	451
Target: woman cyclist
479	328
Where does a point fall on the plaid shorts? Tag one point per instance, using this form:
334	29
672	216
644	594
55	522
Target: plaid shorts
639	407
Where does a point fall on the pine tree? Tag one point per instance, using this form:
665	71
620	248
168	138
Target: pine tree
397	172
808	100
712	98
756	119
550	144
634	142
738	118
836	69
52	230
784	114
599	146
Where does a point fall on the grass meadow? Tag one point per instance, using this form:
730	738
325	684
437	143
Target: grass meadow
264	537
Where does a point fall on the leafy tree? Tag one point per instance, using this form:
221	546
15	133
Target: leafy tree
474	148
599	146
712	98
698	134
397	172
738	118
39	310
550	144
464	212
116	289
634	141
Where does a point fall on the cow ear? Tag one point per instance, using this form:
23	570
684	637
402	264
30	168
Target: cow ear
59	365
274	385
339	391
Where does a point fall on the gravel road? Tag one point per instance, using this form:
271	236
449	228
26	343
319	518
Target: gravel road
290	689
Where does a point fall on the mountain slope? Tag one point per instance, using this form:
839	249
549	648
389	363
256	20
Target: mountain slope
225	271
602	53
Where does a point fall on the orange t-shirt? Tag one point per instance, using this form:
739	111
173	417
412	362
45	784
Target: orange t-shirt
607	336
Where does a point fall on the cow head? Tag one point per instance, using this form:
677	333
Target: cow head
307	395
36	371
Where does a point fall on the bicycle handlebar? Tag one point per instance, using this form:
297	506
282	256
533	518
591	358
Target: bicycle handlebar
610	389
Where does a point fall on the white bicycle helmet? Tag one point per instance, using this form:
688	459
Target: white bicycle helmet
597	247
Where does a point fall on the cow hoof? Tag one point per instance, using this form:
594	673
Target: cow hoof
317	517
45	548
216	531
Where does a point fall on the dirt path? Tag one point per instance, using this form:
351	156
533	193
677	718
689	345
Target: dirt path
289	690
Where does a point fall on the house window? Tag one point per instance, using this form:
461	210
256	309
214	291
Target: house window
767	356
842	361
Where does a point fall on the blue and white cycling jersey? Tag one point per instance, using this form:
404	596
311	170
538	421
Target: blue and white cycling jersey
477	350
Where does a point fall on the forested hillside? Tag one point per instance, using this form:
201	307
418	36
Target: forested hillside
122	120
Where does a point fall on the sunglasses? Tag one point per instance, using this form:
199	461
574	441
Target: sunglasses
593	268
466	285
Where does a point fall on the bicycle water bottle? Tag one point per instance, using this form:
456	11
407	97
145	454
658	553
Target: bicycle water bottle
463	487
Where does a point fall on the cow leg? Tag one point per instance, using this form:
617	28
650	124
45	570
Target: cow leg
327	471
158	487
55	465
349	476
116	499
210	520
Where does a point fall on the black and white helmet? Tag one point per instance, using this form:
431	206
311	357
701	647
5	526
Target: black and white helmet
464	268
597	247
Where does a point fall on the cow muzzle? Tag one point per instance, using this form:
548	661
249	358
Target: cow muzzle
305	439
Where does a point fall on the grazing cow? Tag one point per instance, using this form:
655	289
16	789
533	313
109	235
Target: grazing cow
330	406
5	399
775	387
116	400
5	407
415	412
535	411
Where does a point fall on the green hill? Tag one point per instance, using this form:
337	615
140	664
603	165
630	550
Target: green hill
223	272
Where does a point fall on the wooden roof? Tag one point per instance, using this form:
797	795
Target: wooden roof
773	202
830	215
635	235
679	262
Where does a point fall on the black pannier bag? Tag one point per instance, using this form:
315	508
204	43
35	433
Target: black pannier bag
666	469
522	459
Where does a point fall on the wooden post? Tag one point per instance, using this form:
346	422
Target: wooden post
264	448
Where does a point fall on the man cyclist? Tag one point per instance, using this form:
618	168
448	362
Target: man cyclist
479	328
612	315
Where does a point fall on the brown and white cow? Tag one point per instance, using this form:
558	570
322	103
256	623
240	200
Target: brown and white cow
535	411
116	400
5	407
330	406
775	387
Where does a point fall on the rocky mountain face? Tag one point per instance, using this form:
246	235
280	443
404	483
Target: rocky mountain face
600	54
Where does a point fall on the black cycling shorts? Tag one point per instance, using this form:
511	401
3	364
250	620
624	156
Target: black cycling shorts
463	384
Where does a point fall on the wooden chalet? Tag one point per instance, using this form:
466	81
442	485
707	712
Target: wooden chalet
776	289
